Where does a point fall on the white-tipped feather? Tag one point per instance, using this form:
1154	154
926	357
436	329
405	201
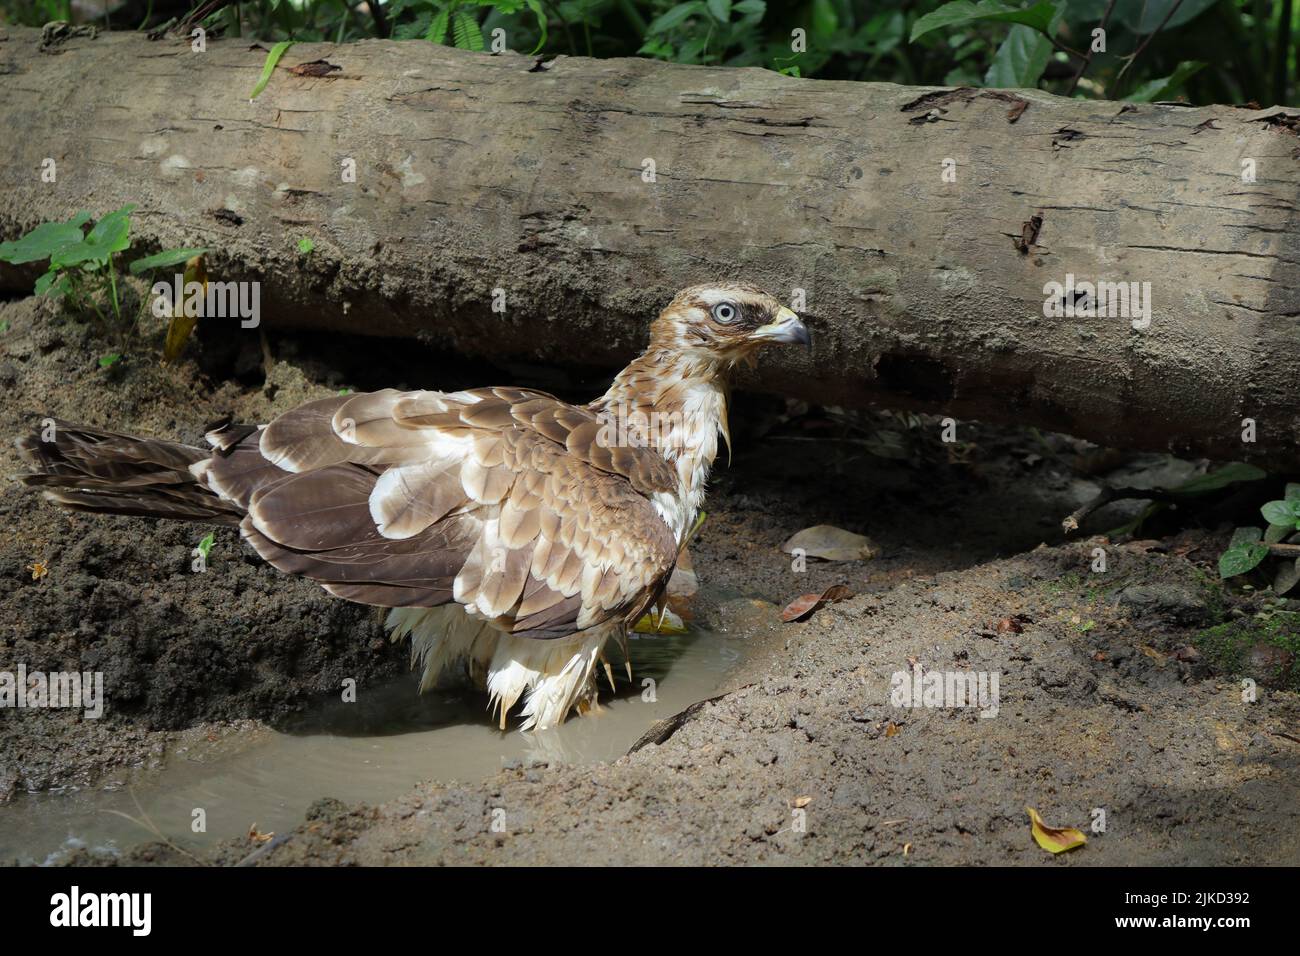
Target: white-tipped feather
551	677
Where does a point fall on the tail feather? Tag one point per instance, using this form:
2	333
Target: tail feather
89	469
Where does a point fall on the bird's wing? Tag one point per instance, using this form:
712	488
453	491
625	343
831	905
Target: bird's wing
504	500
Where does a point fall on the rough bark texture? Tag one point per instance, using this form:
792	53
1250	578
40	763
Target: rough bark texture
476	173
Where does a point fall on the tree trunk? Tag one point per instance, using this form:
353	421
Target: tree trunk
922	226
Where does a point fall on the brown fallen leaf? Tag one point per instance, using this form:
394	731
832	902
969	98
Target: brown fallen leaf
891	729
800	802
804	605
831	544
315	68
1054	839
1010	625
39	569
662	621
257	836
181	325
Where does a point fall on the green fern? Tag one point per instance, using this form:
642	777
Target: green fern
465	32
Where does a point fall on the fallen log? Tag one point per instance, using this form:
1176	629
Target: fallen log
921	230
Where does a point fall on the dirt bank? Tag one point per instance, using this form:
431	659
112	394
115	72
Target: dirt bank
1116	689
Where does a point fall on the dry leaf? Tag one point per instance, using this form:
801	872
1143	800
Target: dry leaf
1011	625
660	622
800	802
831	544
315	68
181	325
1051	838
803	606
39	569
891	729
257	836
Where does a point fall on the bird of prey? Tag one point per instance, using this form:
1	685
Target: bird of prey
511	533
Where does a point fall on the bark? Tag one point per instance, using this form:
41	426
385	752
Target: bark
476	173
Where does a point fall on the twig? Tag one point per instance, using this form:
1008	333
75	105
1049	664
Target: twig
1132	57
1083	67
152	827
1107	495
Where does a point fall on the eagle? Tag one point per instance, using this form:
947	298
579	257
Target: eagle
511	534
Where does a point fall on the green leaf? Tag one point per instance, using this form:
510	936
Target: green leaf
675	17
1244	536
169	257
4	325
1020	60
465	32
720	10
1227	475
1038	17
305	245
1166	87
1287	576
111	234
752	9
205	545
438	27
1292	491
44	241
1276	533
107	361
1282	512
1242	558
825	21
268	67
1146	16
46	282
536	7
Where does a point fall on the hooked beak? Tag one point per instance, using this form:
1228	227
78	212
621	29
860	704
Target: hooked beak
786	329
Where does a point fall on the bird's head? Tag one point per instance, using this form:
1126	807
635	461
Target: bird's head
724	323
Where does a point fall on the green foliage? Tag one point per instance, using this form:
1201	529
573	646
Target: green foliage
1244	553
272	58
1251	546
1227	51
305	245
1040	16
82	267
205	545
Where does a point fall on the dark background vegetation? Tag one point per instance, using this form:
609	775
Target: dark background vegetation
1224	51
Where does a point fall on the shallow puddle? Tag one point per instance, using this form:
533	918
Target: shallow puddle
367	752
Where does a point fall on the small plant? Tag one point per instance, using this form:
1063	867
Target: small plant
441	21
305	245
205	545
83	266
1251	546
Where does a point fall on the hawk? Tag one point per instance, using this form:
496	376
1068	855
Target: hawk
512	534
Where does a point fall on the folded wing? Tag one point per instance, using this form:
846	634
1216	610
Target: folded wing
506	501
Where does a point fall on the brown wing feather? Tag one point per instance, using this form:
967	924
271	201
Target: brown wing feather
505	500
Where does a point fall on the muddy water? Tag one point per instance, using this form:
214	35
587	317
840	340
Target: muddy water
365	752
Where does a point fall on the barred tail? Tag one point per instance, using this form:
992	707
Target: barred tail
87	469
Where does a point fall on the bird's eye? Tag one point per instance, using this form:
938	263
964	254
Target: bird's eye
724	312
